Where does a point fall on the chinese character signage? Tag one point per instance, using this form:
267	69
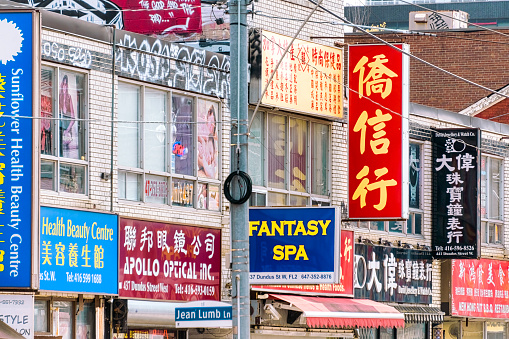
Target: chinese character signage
169	262
78	251
343	288
392	274
377	132
17	312
480	288
16	101
456	204
309	79
293	245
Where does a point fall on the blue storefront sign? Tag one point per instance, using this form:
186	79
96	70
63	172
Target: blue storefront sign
293	245
78	251
16	80
215	316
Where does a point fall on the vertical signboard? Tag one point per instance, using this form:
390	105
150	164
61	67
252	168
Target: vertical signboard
293	245
392	274
456	201
480	288
78	251
16	101
17	311
169	262
309	79
343	288
377	132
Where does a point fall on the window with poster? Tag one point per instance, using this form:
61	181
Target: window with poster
64	318
288	160
492	193
168	147
63	134
412	226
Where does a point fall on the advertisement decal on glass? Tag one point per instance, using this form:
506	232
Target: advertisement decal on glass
16	101
392	274
456	203
17	311
169	262
78	251
378	138
480	288
293	245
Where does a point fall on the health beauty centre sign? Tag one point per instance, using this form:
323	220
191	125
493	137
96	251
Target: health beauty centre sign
78	251
293	245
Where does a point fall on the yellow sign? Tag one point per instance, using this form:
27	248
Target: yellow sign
308	80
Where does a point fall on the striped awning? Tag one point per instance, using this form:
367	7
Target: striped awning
321	312
420	314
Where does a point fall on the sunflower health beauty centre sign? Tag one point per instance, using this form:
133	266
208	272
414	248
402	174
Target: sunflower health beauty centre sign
17	70
294	245
78	251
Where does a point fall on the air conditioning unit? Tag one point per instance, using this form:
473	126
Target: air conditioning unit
427	20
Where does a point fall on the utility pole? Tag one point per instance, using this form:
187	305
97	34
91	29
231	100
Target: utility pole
239	212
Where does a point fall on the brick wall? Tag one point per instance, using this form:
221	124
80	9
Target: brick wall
479	56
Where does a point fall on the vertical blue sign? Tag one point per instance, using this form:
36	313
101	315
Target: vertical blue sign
16	103
78	251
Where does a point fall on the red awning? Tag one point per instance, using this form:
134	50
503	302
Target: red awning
323	312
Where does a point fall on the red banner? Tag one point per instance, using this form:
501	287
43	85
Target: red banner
480	288
376	130
161	17
169	262
345	286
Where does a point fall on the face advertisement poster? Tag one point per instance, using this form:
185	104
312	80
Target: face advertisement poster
345	286
208	139
378	86
393	274
169	262
17	74
456	203
78	251
293	245
480	288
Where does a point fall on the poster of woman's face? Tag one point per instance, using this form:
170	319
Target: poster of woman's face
208	150
68	107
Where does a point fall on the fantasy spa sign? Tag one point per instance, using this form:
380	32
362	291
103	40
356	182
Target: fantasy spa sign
293	245
456	204
377	130
78	251
19	32
169	262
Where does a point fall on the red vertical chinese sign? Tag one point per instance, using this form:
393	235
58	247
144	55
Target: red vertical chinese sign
378	132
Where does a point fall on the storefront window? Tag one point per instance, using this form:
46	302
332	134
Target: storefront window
173	158
63	316
289	160
496	330
41	315
63	134
85	322
491	200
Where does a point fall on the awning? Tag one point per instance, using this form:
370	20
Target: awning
420	314
340	312
8	332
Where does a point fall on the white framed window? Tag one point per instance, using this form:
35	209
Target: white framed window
289	160
63	134
168	149
414	224
492	193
